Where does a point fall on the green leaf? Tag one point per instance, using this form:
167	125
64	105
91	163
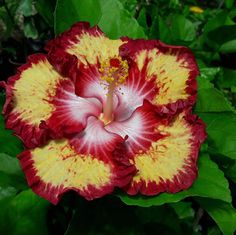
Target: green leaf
24	214
45	9
231	172
11	176
110	15
142	19
184	210
129	5
223	213
9	144
68	12
182	29
210	99
217	37
221	130
121	23
220	19
232	13
15	181
228	47
214	231
6	24
175	29
227	79
30	30
27	7
160	30
209	73
229	3
6	192
9	165
210	183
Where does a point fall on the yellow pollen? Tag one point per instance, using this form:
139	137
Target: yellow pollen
114	71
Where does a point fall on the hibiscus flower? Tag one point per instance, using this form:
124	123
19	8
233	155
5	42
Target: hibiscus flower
95	114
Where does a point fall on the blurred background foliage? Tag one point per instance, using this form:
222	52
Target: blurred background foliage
208	207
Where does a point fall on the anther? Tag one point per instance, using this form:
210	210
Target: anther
113	71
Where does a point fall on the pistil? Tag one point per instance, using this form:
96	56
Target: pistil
108	107
114	72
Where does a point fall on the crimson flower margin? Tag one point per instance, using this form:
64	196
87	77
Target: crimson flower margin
95	114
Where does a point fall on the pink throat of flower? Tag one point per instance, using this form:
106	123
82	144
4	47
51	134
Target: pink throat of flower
114	72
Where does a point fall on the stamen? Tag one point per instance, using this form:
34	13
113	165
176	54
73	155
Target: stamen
114	71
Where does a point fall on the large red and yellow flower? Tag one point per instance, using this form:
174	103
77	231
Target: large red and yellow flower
95	114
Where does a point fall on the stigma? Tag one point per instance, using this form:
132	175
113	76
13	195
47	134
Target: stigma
114	72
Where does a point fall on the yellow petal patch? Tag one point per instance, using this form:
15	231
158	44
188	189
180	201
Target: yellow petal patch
32	90
171	74
167	156
92	49
59	165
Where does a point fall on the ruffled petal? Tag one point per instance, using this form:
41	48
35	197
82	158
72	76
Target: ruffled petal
41	103
81	44
90	85
173	67
132	94
95	139
57	168
170	163
26	99
139	129
70	111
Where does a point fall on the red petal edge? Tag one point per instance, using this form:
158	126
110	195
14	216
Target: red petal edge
128	51
63	121
123	173
184	179
30	135
64	62
139	128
